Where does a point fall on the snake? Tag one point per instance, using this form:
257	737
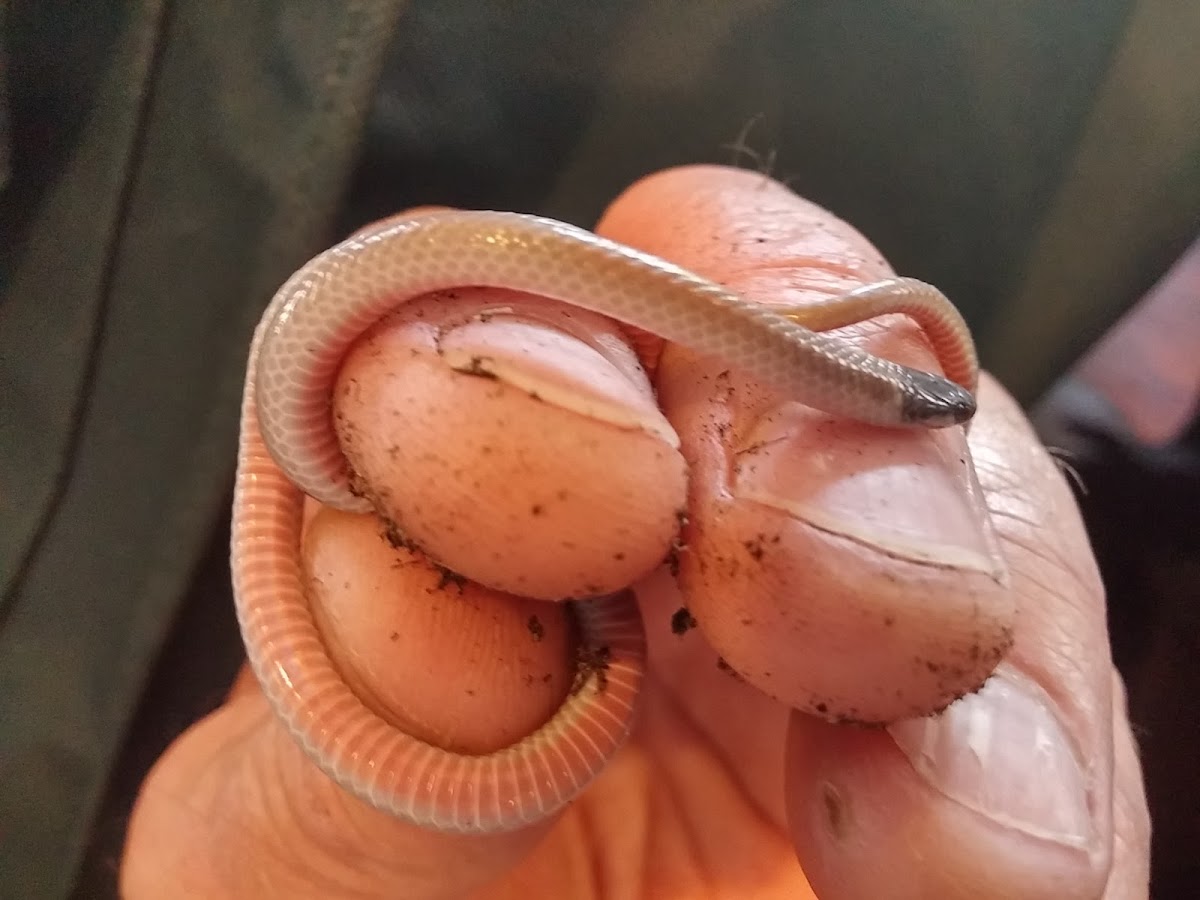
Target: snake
288	449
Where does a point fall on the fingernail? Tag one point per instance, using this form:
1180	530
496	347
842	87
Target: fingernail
1004	753
913	495
604	383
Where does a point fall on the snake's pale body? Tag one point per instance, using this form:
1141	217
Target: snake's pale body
288	448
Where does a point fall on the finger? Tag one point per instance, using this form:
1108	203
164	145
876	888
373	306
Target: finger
846	570
486	424
1009	793
448	662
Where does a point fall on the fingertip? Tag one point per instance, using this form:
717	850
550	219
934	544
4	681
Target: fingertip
517	445
453	664
846	570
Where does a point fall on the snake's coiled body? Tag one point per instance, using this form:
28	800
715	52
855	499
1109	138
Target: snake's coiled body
288	449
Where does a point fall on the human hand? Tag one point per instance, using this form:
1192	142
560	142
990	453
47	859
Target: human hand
723	791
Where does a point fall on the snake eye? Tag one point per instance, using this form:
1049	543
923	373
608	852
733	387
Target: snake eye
932	401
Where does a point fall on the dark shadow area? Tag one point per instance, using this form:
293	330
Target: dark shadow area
1116	423
1142	510
190	680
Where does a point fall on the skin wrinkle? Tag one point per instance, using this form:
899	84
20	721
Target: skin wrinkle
332	833
670	794
701	681
684	796
1049	552
335	836
596	883
243	797
199	807
686	861
874	548
1067	678
324	842
1053	553
1027	521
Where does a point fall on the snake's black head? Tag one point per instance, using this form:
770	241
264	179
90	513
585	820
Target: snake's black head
935	402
